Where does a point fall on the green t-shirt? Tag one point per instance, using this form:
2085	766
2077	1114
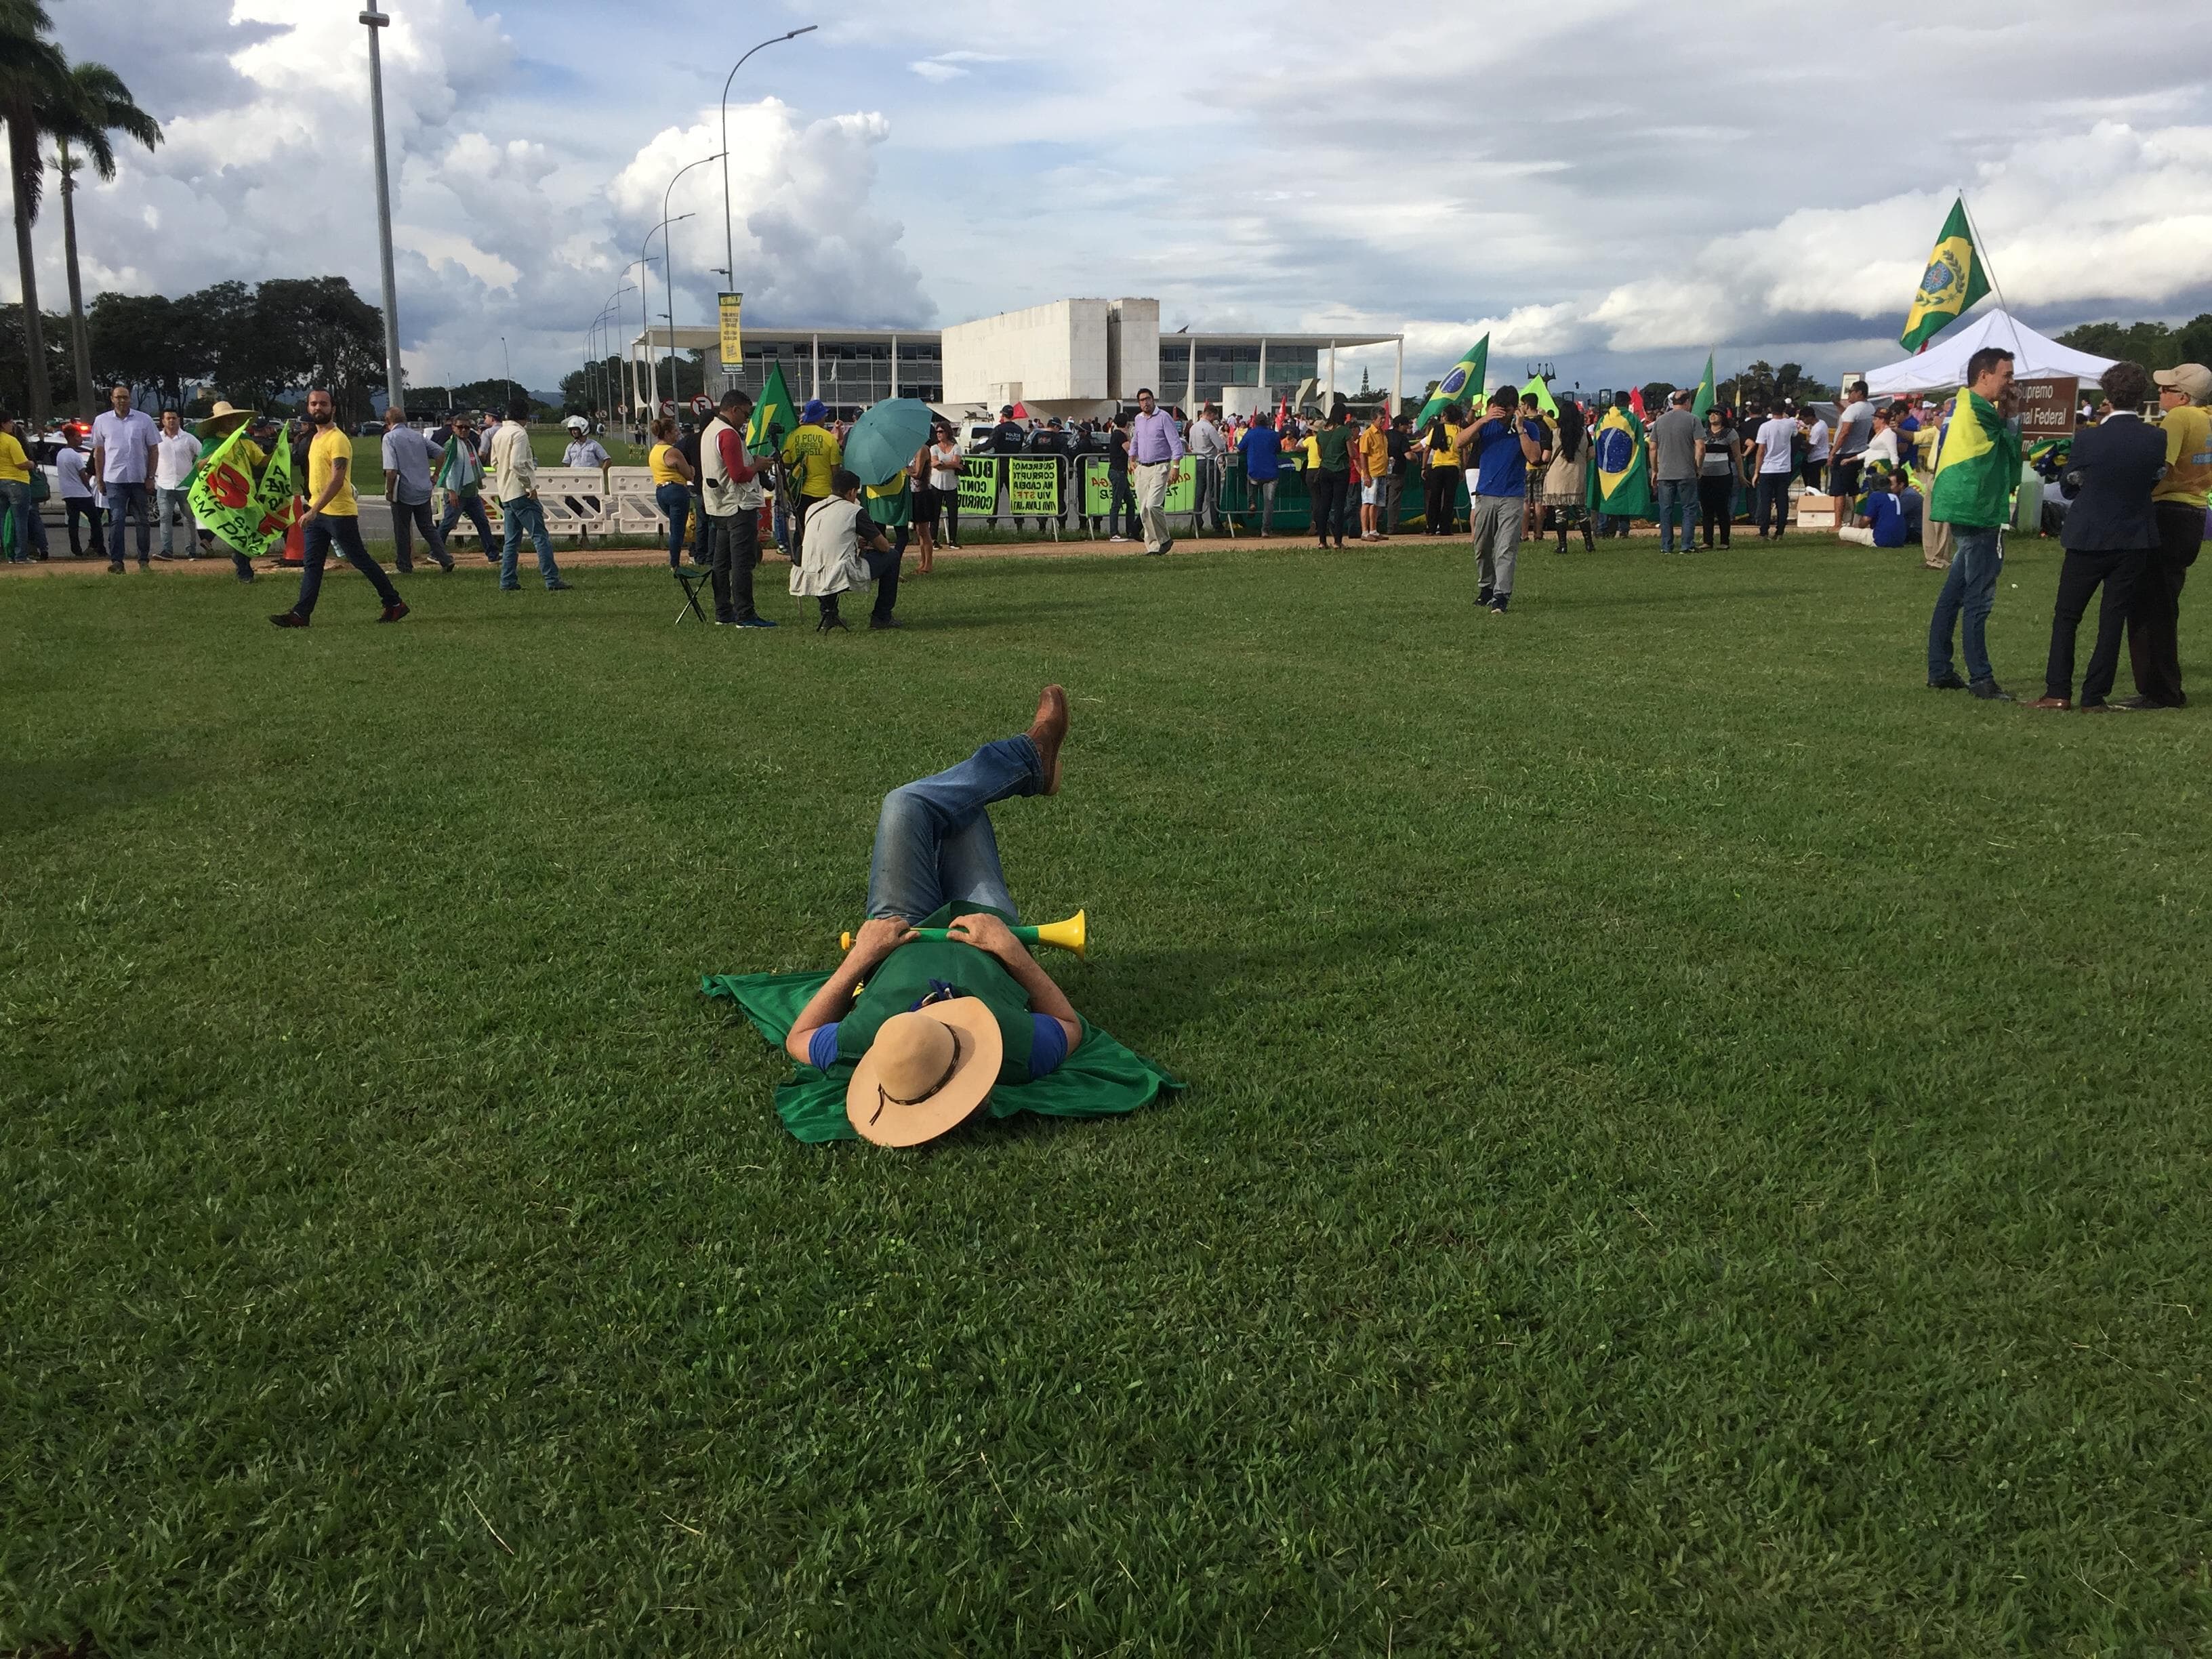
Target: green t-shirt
1334	444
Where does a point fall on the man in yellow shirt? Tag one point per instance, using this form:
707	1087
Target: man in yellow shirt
1373	466
2178	504
332	515
18	511
811	456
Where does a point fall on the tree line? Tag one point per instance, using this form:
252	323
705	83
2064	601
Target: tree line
255	344
79	108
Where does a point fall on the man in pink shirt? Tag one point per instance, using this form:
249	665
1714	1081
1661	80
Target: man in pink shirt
1156	466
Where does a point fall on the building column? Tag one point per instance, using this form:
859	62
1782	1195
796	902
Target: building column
1190	383
894	365
816	392
1398	382
1263	366
1329	401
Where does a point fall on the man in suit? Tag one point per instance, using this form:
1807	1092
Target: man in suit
2109	531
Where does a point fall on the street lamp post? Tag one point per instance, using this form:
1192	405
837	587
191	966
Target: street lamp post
606	314
729	241
668	262
394	384
506	367
644	319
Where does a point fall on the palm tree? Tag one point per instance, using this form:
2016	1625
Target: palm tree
33	75
98	104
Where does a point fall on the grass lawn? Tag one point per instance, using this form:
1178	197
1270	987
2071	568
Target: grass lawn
1695	1142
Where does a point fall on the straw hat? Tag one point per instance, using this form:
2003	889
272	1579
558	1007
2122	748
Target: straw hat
222	420
927	1072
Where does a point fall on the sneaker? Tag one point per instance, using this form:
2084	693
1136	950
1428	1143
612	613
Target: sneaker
754	622
879	623
1168	546
1990	691
394	611
445	564
1111	538
2138	705
1497	605
556	586
2105	709
1950	681
245	575
1482	597
288	619
115	568
727	621
165	557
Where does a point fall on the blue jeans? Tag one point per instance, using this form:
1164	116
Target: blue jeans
1970	587
934	845
456	504
315	541
130	498
523	515
175	508
674	501
1678	500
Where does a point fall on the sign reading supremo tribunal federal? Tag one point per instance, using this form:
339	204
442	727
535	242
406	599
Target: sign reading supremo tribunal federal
2047	407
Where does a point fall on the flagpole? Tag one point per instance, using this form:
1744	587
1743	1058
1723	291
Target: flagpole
1982	253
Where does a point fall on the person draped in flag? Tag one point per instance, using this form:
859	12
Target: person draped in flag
1977	470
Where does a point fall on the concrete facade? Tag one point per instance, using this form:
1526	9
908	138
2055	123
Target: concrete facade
1068	353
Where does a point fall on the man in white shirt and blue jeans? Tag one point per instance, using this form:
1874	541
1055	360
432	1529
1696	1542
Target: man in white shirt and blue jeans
176	457
123	442
1773	463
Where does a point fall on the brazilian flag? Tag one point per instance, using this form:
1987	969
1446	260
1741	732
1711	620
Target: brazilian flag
1619	474
1705	390
774	417
1463	385
1955	279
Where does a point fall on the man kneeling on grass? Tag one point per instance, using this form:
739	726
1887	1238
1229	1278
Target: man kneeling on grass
940	1021
839	548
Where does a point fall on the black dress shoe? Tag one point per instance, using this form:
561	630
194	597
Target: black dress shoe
2141	704
875	622
1950	681
1990	691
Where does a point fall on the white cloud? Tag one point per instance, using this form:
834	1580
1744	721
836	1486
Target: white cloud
1609	185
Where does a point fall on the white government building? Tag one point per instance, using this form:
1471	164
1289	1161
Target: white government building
1072	358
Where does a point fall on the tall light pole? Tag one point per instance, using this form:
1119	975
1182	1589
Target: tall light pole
625	272
644	321
506	367
668	265
606	314
729	242
645	325
395	387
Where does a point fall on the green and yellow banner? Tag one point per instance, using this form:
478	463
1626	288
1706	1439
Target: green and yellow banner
249	512
1955	279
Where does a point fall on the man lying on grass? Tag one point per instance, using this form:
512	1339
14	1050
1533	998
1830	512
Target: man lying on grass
940	1022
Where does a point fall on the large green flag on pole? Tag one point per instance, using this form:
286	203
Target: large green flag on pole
775	417
1705	391
246	512
1955	279
1462	386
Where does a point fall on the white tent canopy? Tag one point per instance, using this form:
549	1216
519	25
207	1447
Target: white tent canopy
1942	365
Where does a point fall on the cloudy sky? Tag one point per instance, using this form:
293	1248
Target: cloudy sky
1616	187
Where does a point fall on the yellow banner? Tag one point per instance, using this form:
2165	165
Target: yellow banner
734	344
